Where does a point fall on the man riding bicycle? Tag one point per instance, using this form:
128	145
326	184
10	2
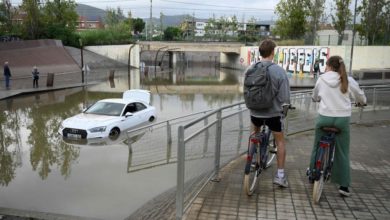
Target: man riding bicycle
273	116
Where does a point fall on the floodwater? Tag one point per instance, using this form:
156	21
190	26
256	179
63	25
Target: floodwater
40	172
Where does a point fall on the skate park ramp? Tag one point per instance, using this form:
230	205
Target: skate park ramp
49	56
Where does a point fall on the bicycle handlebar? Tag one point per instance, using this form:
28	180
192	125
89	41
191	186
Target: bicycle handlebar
287	107
356	104
360	105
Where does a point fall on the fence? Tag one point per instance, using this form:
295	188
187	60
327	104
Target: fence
206	141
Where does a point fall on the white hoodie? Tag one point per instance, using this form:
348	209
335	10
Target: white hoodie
333	102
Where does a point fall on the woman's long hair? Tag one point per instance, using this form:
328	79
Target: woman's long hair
337	65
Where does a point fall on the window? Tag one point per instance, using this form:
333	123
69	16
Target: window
130	108
140	106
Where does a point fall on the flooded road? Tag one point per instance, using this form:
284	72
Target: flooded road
41	172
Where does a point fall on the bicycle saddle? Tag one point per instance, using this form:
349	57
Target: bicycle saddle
331	129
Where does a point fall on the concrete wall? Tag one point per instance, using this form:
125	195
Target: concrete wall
119	53
365	57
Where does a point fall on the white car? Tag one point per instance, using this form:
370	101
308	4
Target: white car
108	117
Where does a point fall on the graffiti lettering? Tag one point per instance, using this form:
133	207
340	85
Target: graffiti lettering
295	60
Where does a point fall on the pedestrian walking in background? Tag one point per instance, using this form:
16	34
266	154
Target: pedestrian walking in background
35	74
7	74
316	69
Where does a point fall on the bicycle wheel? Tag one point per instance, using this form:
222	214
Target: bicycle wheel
251	172
271	149
317	189
319	183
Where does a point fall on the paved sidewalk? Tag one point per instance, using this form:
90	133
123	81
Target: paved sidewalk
370	170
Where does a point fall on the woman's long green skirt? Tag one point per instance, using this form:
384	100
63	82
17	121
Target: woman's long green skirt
341	166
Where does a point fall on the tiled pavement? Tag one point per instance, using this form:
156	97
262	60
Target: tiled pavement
370	168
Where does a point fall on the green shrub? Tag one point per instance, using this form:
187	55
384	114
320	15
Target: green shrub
106	36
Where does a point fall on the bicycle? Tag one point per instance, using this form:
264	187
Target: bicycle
261	152
324	160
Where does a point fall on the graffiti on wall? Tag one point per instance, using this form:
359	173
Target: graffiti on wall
295	59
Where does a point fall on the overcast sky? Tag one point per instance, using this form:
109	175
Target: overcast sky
243	9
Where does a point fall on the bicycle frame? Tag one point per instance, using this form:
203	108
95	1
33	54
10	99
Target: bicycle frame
327	147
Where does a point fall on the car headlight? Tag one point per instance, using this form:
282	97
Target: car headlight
97	129
61	127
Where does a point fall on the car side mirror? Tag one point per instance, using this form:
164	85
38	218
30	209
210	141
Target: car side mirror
128	114
85	109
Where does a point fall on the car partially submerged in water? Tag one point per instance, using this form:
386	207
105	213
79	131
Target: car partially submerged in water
109	117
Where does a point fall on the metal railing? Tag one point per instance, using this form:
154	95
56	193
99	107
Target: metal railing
225	134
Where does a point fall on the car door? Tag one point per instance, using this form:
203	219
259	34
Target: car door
142	112
132	120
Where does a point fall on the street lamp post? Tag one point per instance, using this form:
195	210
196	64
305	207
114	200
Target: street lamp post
82	60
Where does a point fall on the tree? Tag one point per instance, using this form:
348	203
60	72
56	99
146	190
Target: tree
172	33
5	17
114	17
60	18
341	18
138	25
210	28
250	33
292	19
315	9
32	22
186	27
375	21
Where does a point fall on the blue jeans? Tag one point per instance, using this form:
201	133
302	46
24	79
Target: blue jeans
7	81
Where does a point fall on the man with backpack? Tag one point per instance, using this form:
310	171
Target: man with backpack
266	92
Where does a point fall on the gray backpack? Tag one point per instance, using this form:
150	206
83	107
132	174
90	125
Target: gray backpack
258	92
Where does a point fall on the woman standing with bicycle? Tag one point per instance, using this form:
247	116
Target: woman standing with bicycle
333	90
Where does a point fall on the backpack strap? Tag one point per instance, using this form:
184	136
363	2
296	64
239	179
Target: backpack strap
267	66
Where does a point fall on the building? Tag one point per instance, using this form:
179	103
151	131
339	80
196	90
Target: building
201	28
90	17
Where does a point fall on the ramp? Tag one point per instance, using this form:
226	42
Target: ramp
48	55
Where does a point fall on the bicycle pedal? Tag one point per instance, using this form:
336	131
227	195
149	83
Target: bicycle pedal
274	151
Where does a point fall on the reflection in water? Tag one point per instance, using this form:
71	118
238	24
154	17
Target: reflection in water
33	126
30	146
10	139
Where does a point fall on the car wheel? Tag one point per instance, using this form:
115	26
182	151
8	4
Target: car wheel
151	118
114	133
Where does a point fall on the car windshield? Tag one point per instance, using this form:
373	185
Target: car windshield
106	108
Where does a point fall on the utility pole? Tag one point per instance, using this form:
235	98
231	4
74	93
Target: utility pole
150	21
353	39
193	26
161	26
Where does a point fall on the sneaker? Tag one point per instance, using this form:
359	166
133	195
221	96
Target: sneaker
344	191
281	181
309	176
